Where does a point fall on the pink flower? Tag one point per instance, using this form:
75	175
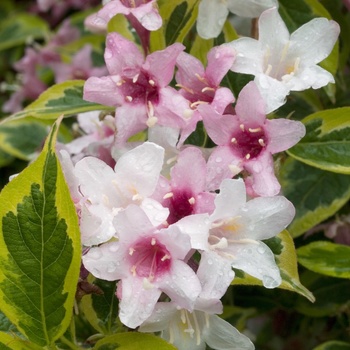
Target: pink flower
200	85
145	12
138	87
148	262
81	67
247	141
185	194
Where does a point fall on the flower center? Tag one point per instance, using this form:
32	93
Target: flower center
181	204
249	142
140	89
149	258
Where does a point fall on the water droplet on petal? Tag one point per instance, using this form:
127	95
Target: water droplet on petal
269	282
210	262
108	54
261	249
218	160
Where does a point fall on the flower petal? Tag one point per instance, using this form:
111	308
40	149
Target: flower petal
212	15
314	41
250	8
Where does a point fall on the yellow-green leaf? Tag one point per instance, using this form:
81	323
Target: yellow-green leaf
40	249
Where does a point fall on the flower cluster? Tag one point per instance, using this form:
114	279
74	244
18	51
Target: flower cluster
170	221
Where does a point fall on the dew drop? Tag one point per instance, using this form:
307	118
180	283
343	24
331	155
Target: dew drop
113	248
210	262
108	54
269	282
261	250
218	160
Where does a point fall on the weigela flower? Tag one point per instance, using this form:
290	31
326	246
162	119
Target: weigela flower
247	141
212	14
148	262
282	62
81	67
138	87
193	330
97	139
185	193
145	11
200	85
107	191
236	230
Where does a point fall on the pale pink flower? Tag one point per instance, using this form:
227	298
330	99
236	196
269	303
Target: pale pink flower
81	67
283	62
106	191
148	262
236	230
138	87
247	141
145	12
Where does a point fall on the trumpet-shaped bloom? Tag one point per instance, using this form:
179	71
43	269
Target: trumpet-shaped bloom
236	230
283	62
212	14
148	262
247	141
185	193
138	87
107	191
200	85
193	330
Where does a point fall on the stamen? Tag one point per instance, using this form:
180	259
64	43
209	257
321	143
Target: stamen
261	142
151	82
135	78
254	130
192	200
128	98
171	160
233	140
222	244
137	197
268	69
198	333
188	113
202	79
195	104
242	127
165	257
133	270
131	251
185	88
120	82
151	121
168	195
146	283
247	156
183	316
235	169
208	89
153	241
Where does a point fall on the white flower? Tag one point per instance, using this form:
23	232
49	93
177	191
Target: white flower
212	14
192	330
283	62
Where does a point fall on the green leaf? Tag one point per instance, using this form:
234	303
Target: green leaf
40	249
330	296
326	144
16	30
5	158
178	19
24	138
11	342
283	247
326	258
316	194
101	311
133	341
333	345
64	98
